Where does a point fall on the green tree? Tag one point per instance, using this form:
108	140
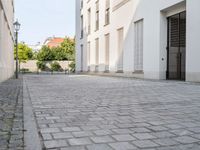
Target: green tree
68	47
24	52
46	54
60	53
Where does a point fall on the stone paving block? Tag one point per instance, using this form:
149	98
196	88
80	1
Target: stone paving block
71	129
123	137
50	130
166	142
99	147
55	143
88	106
89	128
46	136
74	148
102	139
145	144
122	131
163	134
195	129
196	136
63	135
82	134
158	128
186	139
122	146
181	132
79	141
103	132
140	130
143	136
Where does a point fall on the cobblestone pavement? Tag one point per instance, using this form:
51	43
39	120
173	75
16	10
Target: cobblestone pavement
11	115
103	113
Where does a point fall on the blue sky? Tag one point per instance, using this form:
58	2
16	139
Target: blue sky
43	18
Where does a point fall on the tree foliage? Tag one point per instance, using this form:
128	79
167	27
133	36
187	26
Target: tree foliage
66	51
24	52
45	54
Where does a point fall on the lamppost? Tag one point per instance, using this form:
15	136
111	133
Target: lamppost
17	28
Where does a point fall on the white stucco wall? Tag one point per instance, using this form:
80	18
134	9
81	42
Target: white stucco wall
6	39
124	13
193	45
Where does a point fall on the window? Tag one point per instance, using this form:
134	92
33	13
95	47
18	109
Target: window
120	50
97	15
89	21
81	4
97	50
107	48
107	12
81	58
88	53
81	26
138	61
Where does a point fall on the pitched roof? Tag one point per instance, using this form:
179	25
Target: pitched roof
54	42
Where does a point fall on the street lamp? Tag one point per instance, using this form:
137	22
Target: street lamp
17	28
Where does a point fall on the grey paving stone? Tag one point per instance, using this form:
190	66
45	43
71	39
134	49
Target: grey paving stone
99	147
63	135
103	132
122	131
123	137
79	141
50	130
90	106
74	148
71	129
144	136
181	132
46	136
122	146
166	142
186	139
140	130
145	144
102	139
82	134
11	114
163	134
158	128
55	143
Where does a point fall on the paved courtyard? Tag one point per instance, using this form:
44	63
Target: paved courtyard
104	113
11	115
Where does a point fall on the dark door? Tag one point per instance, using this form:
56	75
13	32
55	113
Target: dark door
176	47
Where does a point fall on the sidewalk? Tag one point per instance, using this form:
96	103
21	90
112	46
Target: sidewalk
11	115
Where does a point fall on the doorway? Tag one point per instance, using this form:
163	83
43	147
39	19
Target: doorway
176	54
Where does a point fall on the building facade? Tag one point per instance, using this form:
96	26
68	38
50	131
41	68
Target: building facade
6	39
154	39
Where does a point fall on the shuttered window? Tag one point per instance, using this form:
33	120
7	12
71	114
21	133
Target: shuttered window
81	58
120	50
88	53
97	51
107	47
138	59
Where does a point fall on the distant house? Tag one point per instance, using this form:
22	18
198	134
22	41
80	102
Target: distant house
36	47
53	41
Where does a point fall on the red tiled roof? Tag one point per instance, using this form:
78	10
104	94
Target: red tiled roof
55	42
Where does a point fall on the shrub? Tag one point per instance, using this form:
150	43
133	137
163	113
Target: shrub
41	65
55	66
72	66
